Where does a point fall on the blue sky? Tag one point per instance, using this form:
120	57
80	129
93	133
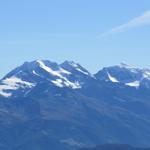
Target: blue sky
95	33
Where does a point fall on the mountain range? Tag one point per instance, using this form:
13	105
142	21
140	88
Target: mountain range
45	105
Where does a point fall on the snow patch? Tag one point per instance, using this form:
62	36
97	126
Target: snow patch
73	64
73	85
2	93
71	142
64	71
78	68
58	82
43	66
133	84
13	83
124	65
53	72
35	73
146	75
61	81
66	83
86	73
112	78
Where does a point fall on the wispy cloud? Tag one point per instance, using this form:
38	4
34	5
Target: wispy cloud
140	21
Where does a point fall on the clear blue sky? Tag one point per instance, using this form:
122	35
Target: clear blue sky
95	33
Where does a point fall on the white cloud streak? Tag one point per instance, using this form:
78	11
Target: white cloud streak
140	21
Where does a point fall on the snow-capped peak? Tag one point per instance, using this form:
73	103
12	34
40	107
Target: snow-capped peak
68	74
128	67
57	71
123	74
32	73
48	69
60	75
124	65
72	66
